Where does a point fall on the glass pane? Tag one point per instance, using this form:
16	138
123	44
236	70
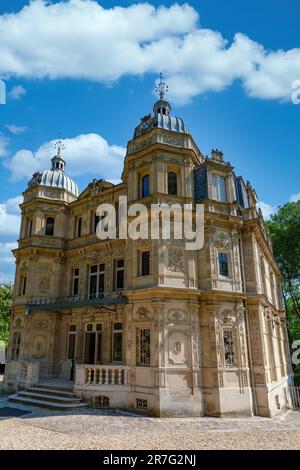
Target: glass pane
145	271
117	326
75	286
222	189
120	279
93	286
223	264
101	283
143	347
71	348
145	186
172	183
117	351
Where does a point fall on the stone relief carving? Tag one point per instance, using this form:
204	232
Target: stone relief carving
143	314
44	266
44	284
223	242
40	324
39	346
177	316
177	342
175	260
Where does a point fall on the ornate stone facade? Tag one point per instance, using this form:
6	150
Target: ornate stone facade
198	333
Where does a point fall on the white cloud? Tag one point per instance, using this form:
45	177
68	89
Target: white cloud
295	197
105	44
16	130
4	141
7	265
10	217
17	91
267	210
85	154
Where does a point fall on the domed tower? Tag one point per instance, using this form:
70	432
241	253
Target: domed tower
44	230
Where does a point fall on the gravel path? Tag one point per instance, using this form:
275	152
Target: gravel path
96	429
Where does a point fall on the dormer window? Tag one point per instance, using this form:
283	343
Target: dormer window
218	184
49	226
172	183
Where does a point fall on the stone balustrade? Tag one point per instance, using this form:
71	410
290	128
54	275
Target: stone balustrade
104	375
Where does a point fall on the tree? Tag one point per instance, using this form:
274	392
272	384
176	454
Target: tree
285	232
6	292
284	228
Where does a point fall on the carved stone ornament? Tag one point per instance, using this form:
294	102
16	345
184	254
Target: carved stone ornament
175	261
223	242
143	314
44	284
36	179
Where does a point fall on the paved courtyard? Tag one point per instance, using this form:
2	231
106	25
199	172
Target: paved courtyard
99	429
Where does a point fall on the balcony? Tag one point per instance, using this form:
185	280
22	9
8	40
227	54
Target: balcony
44	303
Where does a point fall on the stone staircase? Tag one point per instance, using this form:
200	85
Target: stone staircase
49	396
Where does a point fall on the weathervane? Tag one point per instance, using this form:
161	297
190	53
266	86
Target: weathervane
161	88
59	145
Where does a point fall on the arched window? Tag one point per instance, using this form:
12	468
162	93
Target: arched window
145	186
172	183
49	230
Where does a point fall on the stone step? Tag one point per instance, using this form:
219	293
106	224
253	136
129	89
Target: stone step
51	391
55	387
46	404
48	397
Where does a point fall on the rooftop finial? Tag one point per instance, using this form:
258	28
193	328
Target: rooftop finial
59	145
161	88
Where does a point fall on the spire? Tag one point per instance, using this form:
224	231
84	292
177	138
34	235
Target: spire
161	106
58	163
161	88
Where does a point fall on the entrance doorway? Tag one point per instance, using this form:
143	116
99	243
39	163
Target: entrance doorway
93	343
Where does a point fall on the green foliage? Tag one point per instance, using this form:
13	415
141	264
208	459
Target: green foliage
6	291
284	228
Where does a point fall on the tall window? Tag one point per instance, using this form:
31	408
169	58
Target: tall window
77	227
218	188
145	185
145	263
93	343
75	281
16	342
49	229
71	342
229	348
96	221
143	347
172	183
223	264
23	283
117	342
97	274
119	274
29	224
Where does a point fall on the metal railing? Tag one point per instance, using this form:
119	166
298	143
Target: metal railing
38	303
295	396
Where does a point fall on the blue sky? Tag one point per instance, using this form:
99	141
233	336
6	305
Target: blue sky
88	71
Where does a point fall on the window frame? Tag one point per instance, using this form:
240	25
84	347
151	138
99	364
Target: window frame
218	196
116	331
140	362
52	225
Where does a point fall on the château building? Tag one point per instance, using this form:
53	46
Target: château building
146	324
